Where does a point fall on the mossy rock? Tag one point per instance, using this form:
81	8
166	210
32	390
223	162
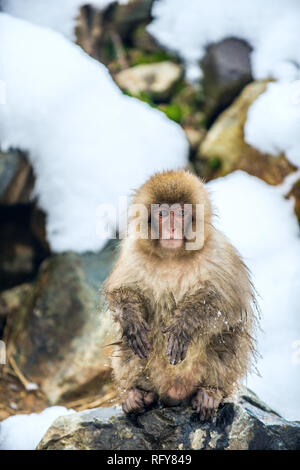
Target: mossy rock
224	149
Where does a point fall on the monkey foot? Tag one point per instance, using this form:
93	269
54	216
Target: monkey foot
206	403
137	400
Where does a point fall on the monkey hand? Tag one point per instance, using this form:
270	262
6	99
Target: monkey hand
135	333
178	343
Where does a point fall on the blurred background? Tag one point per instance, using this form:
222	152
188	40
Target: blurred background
94	98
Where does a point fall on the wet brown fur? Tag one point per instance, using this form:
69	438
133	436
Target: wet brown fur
205	295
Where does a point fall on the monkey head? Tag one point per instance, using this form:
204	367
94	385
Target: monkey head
172	212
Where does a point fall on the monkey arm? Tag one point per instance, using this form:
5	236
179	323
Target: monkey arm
206	312
128	307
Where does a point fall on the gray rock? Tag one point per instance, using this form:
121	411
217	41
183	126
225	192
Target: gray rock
226	70
125	17
59	336
250	424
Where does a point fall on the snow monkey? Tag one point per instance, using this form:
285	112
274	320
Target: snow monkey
186	317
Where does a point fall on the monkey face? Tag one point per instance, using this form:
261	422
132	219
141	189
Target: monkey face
178	209
168	224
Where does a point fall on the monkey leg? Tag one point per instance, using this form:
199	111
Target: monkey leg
206	403
137	400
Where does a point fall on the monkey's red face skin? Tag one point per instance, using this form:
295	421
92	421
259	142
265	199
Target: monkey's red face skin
169	224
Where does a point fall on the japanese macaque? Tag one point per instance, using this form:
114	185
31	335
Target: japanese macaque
186	316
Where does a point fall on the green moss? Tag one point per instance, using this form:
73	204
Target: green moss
152	58
109	50
214	163
143	96
173	112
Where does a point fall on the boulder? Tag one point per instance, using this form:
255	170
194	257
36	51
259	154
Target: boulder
157	80
224	149
58	338
226	70
249	424
126	16
16	178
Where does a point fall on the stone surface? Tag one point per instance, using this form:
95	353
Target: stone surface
101	33
59	336
225	150
250	424
226	70
16	178
157	80
11	301
125	17
194	136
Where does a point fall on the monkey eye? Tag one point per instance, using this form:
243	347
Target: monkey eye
163	213
179	213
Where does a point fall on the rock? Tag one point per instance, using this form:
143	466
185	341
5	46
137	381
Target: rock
194	136
157	80
101	33
226	70
225	150
38	227
125	17
59	337
16	178
249	424
142	40
11	301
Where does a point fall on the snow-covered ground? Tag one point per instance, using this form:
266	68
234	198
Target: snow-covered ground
263	227
88	143
273	121
270	26
24	432
59	15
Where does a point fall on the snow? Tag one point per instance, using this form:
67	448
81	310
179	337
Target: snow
54	14
263	227
273	121
88	143
24	432
271	27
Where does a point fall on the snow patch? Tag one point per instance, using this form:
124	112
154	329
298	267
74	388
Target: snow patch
54	14
88	143
261	224
271	27
24	432
273	121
